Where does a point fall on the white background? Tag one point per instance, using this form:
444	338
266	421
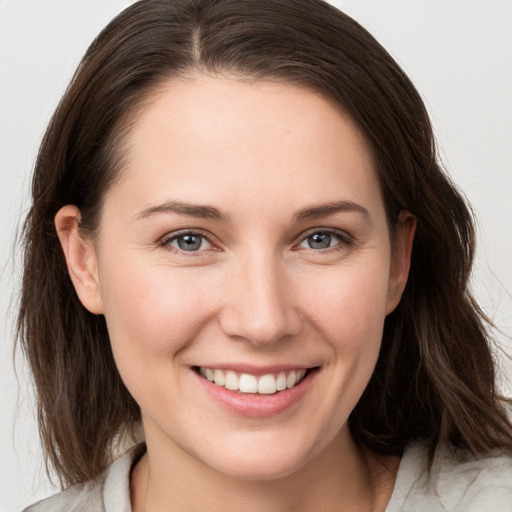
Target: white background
458	53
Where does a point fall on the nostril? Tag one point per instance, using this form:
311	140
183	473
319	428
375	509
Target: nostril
260	327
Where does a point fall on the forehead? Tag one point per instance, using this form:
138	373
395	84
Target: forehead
231	140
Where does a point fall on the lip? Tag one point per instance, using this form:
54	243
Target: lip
253	405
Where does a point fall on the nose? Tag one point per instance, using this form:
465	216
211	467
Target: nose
259	303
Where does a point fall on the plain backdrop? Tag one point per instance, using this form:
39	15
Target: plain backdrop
457	52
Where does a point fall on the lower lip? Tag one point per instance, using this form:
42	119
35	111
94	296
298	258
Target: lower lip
252	405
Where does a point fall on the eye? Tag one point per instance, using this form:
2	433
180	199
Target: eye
323	240
188	242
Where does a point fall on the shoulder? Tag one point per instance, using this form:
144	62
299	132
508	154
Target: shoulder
77	498
456	480
473	483
109	492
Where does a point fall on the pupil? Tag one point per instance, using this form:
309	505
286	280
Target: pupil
189	242
320	241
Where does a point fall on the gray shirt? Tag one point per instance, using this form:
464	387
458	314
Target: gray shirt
456	482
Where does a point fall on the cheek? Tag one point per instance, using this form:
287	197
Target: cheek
152	313
349	311
349	305
346	311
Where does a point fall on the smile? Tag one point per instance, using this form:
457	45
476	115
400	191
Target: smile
267	384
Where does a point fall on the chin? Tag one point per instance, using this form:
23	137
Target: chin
249	469
262	461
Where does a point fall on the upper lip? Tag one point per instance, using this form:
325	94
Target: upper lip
255	370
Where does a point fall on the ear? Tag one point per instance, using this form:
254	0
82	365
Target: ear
80	258
400	258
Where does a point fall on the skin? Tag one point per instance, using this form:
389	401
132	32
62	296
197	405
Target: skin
254	293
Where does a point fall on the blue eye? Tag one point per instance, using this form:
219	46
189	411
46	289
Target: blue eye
321	240
189	242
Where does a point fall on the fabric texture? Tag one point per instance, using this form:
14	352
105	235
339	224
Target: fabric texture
456	482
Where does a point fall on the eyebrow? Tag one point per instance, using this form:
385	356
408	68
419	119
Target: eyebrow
198	211
210	212
324	210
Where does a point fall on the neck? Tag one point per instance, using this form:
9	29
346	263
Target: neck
342	477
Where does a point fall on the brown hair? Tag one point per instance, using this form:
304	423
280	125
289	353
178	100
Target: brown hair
435	376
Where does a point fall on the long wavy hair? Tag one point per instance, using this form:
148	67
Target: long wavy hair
435	377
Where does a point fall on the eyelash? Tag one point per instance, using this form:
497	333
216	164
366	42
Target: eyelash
167	240
344	240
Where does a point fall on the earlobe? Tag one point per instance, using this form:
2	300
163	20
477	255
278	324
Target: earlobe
80	258
400	258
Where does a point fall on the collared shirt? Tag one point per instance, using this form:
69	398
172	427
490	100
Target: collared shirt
456	482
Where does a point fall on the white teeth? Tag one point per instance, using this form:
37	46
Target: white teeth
267	384
246	383
281	382
232	381
218	377
291	380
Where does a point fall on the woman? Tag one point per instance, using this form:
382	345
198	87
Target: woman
241	240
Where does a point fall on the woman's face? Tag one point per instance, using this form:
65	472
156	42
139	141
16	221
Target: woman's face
245	242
